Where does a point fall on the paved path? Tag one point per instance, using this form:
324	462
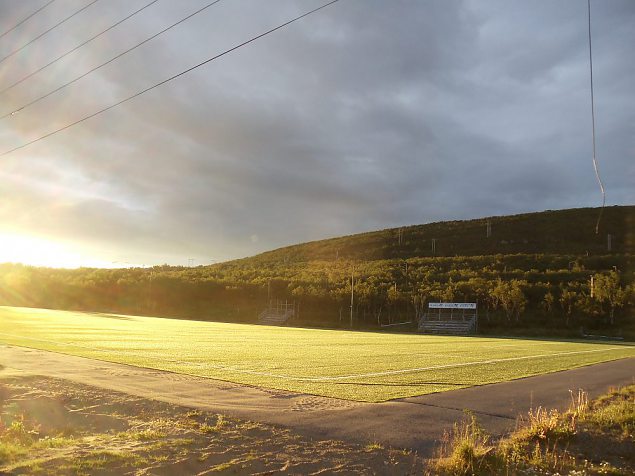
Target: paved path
416	422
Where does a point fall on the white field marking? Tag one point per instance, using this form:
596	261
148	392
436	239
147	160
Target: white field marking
51	341
404	371
345	377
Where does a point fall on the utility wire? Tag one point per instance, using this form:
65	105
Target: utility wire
47	31
59	88
112	106
25	19
595	163
76	48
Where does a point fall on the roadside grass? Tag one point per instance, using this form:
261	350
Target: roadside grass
467	449
614	411
10	451
149	434
21	439
362	366
30	444
589	438
220	424
102	459
374	446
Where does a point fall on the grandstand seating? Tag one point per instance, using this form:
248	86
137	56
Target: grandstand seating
277	314
447	326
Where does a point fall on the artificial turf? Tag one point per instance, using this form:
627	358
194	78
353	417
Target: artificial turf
364	366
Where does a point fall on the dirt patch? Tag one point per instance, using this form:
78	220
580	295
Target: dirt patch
53	426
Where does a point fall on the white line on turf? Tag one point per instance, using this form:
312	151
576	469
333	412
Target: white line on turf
405	371
385	373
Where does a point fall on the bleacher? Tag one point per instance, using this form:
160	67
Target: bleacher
277	314
447	326
449	318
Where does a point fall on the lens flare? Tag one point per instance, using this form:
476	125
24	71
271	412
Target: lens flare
35	251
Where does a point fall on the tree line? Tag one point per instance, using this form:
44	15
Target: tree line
515	293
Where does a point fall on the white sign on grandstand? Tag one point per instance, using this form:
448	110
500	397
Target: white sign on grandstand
452	305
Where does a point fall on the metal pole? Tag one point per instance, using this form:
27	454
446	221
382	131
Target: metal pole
352	295
476	319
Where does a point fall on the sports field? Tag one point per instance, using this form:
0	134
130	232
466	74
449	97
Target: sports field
365	366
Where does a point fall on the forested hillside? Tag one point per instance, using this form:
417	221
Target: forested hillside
532	275
570	232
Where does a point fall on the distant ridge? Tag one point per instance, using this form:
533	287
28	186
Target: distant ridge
570	231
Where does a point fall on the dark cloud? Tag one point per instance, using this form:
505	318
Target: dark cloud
366	115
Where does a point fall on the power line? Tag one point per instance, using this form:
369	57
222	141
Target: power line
59	88
47	31
25	19
595	163
112	106
77	47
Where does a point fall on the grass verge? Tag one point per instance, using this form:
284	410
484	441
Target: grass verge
589	438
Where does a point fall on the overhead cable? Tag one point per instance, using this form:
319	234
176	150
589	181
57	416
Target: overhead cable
48	31
77	47
25	19
118	103
595	163
59	88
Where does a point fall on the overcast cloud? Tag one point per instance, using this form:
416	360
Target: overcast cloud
365	115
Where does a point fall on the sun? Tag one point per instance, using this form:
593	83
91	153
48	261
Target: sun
36	251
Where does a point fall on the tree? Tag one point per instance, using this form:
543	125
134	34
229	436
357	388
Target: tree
607	290
547	302
568	300
510	297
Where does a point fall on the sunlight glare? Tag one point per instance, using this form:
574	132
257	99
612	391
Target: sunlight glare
35	251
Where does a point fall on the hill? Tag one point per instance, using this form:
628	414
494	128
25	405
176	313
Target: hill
570	232
542	273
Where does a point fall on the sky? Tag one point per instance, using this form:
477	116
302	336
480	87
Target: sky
365	115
